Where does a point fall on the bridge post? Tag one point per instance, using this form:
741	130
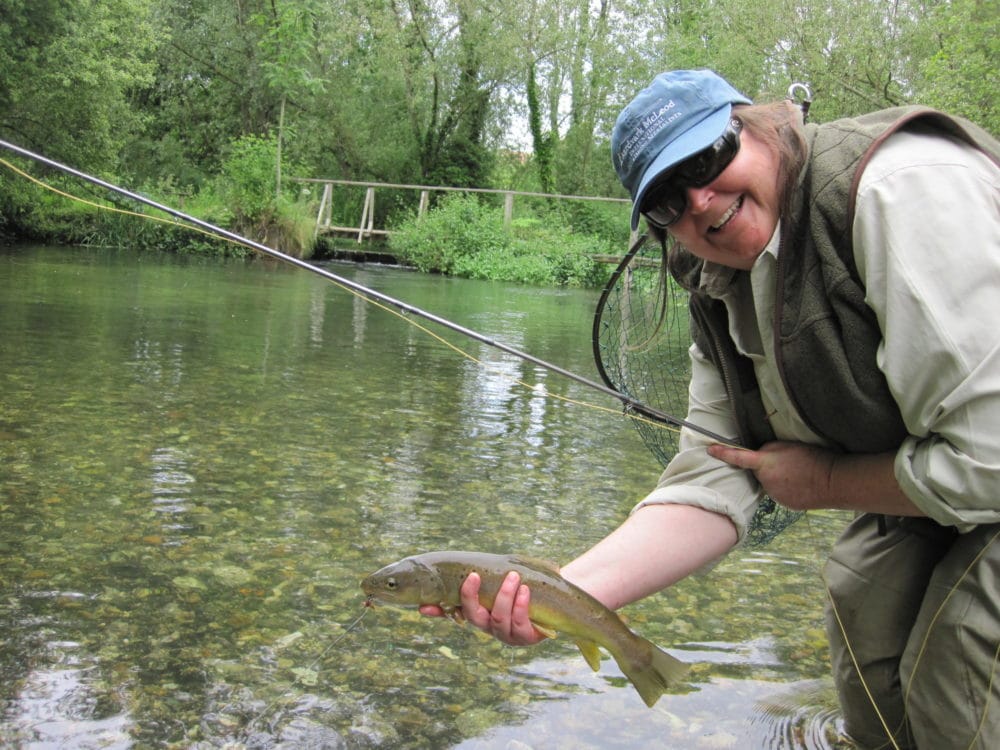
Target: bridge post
367	214
325	208
508	208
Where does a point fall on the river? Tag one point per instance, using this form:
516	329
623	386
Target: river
200	459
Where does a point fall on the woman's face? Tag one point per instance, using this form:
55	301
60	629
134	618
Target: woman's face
730	220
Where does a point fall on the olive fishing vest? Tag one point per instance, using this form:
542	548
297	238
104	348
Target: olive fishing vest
826	337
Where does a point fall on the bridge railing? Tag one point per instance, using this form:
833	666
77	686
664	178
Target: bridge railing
365	228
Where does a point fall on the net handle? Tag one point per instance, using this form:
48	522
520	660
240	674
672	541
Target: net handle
595	335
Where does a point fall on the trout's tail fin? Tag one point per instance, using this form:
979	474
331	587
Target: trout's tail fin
653	673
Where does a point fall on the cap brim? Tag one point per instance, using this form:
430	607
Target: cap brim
695	139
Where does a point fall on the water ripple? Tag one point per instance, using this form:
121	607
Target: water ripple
804	719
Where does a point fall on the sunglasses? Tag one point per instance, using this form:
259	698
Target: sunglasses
666	199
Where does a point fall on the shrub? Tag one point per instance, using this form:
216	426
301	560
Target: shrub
446	238
461	237
247	187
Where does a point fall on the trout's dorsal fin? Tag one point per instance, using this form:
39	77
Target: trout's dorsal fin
536	563
590	652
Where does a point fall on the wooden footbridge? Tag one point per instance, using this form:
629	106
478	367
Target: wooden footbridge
365	228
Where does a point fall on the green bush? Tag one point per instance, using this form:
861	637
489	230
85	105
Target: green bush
246	186
462	237
247	180
447	237
609	221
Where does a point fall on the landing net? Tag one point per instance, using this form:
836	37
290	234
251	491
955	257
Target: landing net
641	337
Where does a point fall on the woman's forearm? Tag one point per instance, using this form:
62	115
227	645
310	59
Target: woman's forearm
867	483
655	547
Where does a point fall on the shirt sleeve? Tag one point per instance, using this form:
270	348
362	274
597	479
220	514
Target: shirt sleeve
927	246
695	478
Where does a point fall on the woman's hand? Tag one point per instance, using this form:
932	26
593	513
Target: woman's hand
794	474
806	477
508	621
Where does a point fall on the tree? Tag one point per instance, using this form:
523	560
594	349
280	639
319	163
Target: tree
427	90
954	66
288	44
448	64
66	74
207	91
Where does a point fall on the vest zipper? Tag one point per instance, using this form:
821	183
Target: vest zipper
779	363
725	370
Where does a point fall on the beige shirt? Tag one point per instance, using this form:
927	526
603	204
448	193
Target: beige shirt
927	246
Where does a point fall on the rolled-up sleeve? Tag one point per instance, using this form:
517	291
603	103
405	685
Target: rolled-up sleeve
695	478
927	244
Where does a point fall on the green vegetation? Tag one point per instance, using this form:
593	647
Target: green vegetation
462	237
247	187
219	106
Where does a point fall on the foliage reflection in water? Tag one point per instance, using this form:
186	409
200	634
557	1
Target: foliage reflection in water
200	460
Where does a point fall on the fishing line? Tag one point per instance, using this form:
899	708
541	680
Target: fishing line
635	415
375	302
989	695
632	405
311	667
857	667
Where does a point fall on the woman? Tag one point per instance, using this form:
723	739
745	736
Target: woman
848	275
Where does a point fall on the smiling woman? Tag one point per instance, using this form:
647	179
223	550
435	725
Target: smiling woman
707	173
822	264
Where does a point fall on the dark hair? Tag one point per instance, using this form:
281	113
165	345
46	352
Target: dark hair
778	126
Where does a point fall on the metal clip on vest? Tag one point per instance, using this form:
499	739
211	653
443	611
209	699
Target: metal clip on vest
802	96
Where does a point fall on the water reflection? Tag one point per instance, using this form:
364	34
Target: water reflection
317	315
581	713
57	706
172	486
359	316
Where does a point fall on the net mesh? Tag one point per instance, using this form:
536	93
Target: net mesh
641	337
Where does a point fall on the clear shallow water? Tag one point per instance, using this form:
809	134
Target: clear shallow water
199	460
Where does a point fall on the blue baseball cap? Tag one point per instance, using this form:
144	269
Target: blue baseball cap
679	114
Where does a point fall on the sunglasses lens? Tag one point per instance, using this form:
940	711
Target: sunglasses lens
666	202
702	168
706	165
665	205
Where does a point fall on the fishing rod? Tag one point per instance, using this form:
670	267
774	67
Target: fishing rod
628	401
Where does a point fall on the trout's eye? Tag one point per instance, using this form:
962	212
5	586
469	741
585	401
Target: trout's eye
391	584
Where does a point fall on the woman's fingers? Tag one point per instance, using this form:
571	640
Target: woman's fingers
501	615
522	629
508	621
473	610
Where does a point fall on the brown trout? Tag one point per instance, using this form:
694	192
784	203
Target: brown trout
556	606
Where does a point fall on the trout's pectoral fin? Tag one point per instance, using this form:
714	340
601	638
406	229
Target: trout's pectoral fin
455	613
590	652
545	630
